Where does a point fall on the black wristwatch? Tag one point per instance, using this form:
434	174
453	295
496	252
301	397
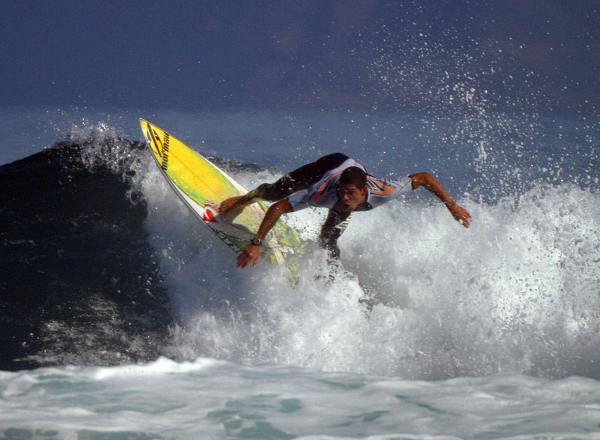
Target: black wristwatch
256	241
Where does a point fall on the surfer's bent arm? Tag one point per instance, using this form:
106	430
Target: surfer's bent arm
251	254
332	229
434	186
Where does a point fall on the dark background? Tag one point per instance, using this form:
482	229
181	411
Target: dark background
315	54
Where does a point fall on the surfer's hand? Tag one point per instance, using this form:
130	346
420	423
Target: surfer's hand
250	256
459	213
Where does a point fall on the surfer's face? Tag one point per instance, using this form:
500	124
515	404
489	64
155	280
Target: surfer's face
352	196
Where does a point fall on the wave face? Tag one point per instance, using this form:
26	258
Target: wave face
79	283
128	274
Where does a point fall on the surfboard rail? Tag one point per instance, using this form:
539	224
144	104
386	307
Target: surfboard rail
202	186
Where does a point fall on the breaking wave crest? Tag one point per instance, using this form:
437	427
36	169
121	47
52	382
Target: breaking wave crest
516	293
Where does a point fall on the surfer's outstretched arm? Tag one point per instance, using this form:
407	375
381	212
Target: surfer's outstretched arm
433	185
251	254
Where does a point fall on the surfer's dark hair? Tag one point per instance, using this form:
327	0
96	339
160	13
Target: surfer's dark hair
353	176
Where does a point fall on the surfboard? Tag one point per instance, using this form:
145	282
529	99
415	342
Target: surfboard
202	186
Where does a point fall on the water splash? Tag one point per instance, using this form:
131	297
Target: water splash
517	293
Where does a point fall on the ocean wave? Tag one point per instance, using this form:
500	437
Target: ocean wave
104	265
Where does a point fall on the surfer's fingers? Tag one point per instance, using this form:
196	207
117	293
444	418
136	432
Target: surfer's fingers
242	260
461	215
465	220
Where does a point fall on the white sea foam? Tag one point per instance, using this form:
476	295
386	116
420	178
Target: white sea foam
514	294
214	399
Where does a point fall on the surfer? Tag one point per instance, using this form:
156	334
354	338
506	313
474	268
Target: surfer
338	183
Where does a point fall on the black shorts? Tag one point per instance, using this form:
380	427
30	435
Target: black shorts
300	178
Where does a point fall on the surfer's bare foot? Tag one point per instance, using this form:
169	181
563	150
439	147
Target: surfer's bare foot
232	204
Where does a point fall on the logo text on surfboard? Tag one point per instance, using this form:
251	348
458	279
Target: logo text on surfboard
165	156
161	148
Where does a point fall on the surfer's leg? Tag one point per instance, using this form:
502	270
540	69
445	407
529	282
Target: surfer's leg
300	178
232	204
292	182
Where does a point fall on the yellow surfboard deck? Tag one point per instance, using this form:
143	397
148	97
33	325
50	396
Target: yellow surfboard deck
202	186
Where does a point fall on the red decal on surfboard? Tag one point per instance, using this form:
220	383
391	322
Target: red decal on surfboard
210	213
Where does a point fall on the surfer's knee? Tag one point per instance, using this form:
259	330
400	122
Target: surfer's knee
262	192
272	192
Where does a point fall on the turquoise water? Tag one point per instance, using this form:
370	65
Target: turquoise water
215	399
